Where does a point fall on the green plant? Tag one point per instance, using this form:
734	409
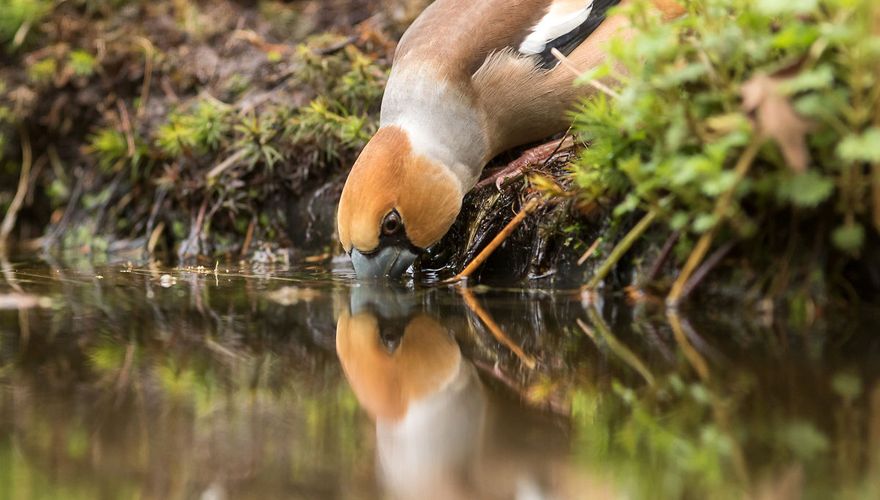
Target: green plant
81	63
17	17
199	131
42	71
739	110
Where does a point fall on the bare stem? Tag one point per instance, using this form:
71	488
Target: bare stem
621	248
721	206
566	62
528	208
23	182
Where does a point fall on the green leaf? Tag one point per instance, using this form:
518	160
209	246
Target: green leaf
864	147
847	385
820	77
777	7
806	190
704	222
849	237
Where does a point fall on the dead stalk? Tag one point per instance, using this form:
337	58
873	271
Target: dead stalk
474	305
566	62
20	194
528	208
663	256
149	52
621	248
590	251
721	206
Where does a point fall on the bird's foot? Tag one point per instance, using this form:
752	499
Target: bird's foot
529	158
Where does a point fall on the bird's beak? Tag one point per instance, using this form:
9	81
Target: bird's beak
389	262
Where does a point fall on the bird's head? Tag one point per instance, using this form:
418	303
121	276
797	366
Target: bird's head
395	204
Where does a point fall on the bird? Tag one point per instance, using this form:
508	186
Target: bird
468	81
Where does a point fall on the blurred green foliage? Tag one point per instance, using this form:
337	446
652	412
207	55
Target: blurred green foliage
17	17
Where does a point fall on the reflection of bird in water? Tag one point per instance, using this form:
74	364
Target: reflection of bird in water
440	432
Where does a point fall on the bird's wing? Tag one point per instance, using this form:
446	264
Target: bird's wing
566	25
458	35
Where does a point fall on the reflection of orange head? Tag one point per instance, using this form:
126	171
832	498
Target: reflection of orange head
386	383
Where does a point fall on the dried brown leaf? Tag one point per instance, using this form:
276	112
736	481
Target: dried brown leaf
776	119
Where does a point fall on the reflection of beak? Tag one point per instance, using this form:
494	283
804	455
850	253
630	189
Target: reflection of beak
389	262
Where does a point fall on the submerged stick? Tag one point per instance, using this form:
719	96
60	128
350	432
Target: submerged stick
474	305
621	248
705	242
528	208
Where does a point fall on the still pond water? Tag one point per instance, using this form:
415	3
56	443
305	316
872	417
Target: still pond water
131	382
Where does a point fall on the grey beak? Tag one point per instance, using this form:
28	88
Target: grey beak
389	262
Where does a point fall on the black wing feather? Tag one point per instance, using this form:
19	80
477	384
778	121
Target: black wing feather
569	41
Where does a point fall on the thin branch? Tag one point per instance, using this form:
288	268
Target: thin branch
528	208
20	194
621	248
665	251
721	206
590	251
566	62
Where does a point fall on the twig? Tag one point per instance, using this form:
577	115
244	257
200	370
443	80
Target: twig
621	248
248	237
23	182
590	251
663	256
704	269
195	233
742	167
21	34
336	47
126	127
154	238
225	164
474	305
528	208
149	52
566	62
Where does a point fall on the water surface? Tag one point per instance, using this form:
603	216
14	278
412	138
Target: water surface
139	382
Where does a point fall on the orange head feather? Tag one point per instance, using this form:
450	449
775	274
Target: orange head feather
394	196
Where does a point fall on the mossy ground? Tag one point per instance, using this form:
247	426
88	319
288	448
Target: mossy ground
187	129
208	131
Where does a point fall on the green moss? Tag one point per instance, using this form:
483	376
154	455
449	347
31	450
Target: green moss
198	131
42	71
81	63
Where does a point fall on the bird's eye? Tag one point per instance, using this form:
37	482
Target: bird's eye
391	224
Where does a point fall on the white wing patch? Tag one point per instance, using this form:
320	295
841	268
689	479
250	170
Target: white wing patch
563	17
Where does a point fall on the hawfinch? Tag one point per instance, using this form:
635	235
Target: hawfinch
470	79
